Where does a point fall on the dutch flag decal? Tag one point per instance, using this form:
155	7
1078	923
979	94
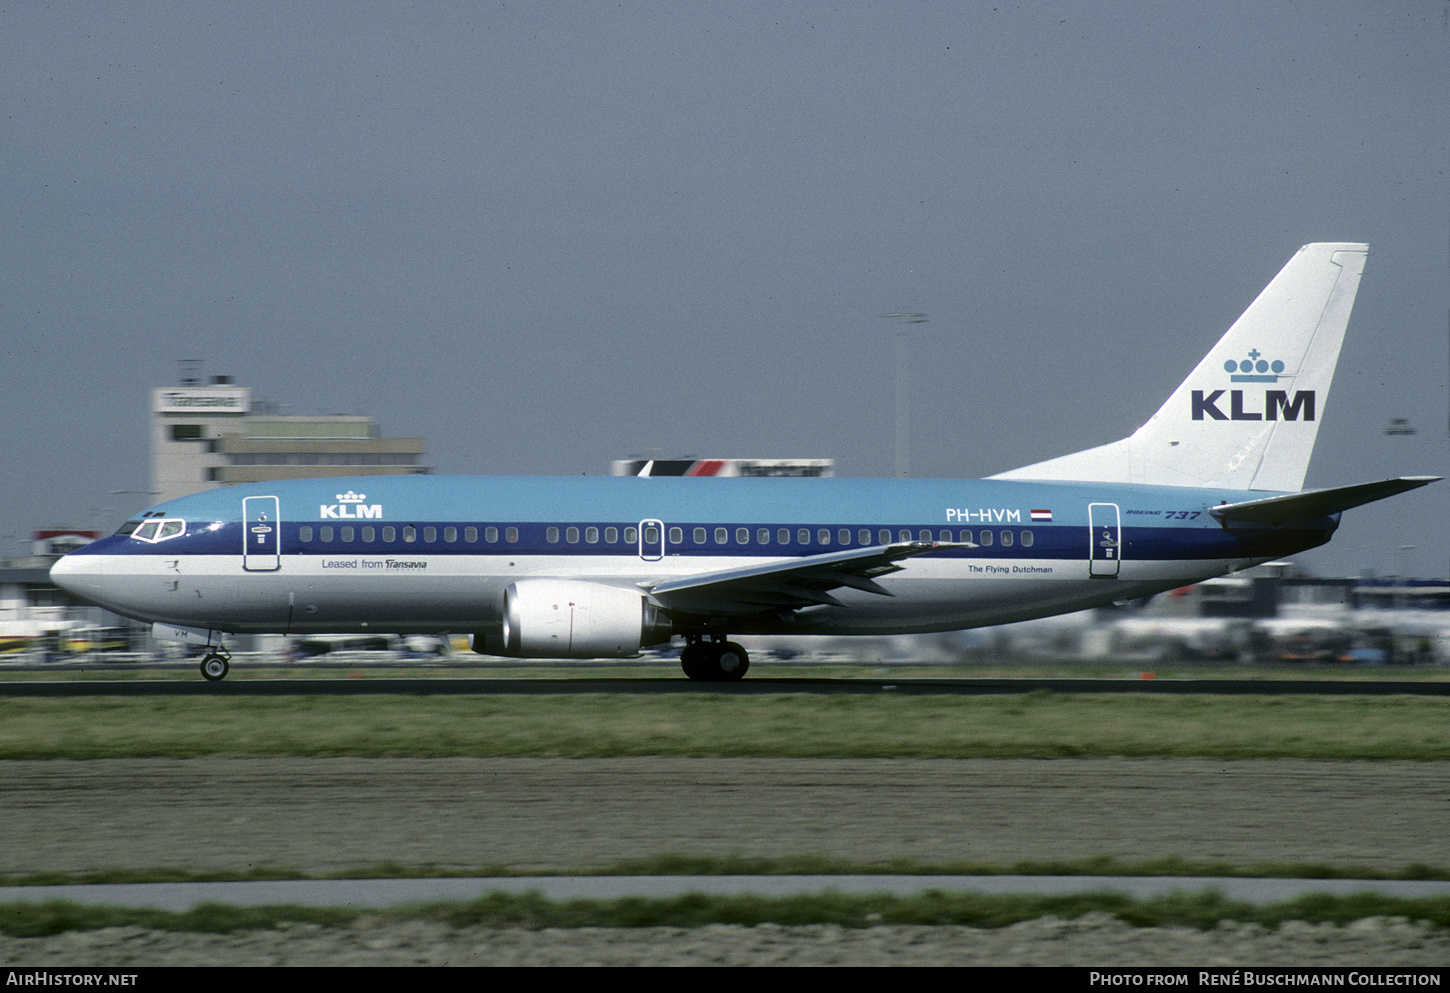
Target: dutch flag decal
1042	516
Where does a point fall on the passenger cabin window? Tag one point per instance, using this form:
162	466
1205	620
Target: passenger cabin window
885	536
327	533
572	536
552	535
824	536
611	535
591	535
844	536
762	535
722	536
369	533
304	533
346	532
631	535
699	536
1006	539
742	536
470	534
677	535
986	539
450	535
390	534
803	536
430	535
1026	539
511	535
864	536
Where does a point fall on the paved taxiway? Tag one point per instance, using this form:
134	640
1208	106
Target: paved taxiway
380	894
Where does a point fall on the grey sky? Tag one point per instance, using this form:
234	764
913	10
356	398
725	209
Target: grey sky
547	235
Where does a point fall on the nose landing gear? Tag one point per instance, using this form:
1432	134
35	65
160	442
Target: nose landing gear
714	661
216	664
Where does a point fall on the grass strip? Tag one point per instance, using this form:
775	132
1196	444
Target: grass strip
1197	910
1039	724
735	865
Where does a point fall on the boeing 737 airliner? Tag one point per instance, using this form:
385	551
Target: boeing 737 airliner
571	567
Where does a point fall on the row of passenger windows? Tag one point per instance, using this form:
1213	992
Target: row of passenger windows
700	536
410	533
821	536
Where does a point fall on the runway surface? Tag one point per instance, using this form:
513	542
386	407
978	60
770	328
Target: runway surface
450	686
556	815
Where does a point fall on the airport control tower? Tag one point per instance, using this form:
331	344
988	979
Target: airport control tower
209	434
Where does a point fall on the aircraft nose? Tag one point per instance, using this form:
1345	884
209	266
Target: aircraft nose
81	576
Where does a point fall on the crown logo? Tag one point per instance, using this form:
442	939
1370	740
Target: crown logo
1254	369
351	497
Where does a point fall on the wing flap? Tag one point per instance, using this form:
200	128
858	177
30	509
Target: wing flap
791	584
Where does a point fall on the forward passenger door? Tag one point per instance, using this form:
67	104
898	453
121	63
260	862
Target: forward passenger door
261	534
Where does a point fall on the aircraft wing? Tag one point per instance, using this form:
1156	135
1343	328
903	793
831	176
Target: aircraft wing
790	584
1315	503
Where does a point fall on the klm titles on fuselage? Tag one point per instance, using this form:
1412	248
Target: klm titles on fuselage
350	506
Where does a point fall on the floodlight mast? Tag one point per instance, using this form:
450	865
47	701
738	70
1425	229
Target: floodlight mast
903	396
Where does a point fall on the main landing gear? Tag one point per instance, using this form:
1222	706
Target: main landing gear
216	664
714	661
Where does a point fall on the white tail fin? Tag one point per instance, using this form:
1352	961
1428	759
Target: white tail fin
1248	415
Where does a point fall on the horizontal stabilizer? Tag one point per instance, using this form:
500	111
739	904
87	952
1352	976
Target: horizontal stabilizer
1316	503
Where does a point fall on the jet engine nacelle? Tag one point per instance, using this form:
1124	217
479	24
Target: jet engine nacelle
568	619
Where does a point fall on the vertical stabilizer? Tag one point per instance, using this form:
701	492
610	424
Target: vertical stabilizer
1248	415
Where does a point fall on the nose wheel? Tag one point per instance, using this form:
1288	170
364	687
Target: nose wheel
215	666
714	661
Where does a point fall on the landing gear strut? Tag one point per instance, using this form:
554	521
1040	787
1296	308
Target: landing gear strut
216	664
714	661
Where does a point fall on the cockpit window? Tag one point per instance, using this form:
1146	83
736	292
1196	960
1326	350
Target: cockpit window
126	528
154	530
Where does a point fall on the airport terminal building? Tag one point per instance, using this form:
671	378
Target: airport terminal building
214	434
202	435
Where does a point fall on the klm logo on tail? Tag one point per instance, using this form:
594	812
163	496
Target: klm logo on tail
1275	403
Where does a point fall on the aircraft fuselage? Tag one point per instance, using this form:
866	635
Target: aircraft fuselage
432	554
